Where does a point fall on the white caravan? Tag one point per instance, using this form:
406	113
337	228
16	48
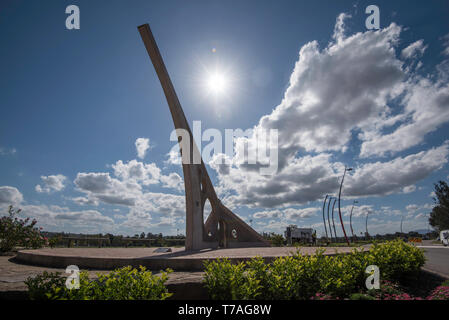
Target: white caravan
444	237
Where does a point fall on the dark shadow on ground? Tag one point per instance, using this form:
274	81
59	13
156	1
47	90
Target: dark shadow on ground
179	254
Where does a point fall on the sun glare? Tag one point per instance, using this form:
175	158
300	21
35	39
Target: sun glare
217	83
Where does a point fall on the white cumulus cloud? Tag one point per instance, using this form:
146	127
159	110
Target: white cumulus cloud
355	92
142	145
51	183
10	196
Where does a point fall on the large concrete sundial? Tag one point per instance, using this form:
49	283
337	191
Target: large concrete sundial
222	228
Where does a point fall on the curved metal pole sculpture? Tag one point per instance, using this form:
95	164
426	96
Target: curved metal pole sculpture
366	225
328	217
333	221
339	209
324	218
402	218
350	220
223	228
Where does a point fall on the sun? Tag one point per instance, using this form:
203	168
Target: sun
217	83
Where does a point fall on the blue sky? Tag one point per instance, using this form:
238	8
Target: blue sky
74	102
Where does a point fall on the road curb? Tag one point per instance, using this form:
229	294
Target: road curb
435	273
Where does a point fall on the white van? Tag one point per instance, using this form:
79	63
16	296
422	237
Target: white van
444	237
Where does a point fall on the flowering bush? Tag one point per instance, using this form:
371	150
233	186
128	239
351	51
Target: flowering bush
322	296
400	296
386	290
19	232
392	291
439	293
361	296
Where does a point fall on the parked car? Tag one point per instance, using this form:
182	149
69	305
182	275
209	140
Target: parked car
444	237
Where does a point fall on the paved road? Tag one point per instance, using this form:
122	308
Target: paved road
437	259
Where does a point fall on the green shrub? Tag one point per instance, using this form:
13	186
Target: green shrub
277	240
121	284
284	278
357	262
52	242
225	280
40	285
396	259
361	296
337	277
303	276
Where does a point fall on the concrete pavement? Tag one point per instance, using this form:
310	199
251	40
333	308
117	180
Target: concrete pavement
178	259
437	259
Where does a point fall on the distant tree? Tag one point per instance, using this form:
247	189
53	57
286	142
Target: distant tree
142	235
150	235
413	234
110	236
439	217
277	240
